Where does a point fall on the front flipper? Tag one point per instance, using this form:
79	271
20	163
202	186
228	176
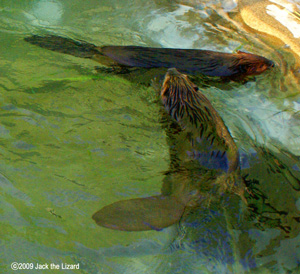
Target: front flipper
151	213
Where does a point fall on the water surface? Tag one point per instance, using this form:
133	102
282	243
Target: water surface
74	140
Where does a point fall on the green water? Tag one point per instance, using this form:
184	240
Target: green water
73	140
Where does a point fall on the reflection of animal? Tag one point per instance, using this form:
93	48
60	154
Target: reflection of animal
204	163
193	61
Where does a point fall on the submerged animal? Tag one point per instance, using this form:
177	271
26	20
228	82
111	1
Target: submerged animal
193	61
204	163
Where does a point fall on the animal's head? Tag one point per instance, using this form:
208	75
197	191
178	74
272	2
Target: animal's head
176	83
178	94
251	64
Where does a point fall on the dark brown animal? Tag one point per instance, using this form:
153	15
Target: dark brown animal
188	106
204	163
190	61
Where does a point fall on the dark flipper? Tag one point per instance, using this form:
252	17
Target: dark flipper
151	213
64	45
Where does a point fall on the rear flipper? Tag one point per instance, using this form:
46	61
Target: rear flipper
151	213
64	45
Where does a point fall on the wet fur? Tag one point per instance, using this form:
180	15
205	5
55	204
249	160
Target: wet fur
190	61
190	108
195	131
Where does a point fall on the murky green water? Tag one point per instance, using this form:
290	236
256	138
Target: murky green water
73	140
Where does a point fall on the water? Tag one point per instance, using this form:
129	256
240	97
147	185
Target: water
74	140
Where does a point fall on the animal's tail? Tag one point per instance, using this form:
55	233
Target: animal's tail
150	213
64	45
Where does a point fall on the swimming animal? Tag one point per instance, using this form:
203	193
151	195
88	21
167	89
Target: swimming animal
204	163
192	61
